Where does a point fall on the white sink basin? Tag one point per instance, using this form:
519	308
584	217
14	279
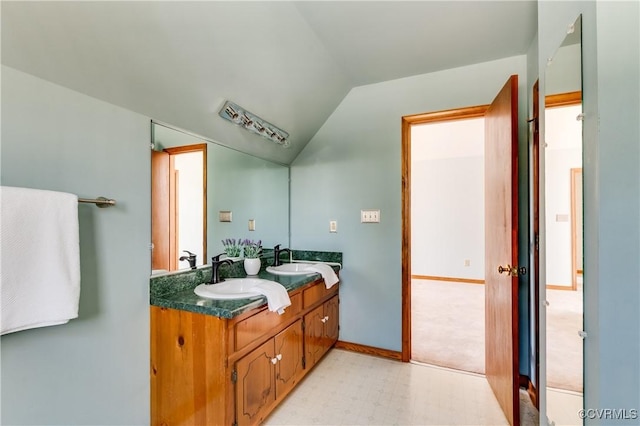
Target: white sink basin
290	269
231	288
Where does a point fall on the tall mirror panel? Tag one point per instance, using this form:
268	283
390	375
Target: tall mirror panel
565	278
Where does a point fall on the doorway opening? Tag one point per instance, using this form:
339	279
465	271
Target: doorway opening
501	273
447	240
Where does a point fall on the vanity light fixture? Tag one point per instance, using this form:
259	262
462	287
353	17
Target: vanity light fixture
253	123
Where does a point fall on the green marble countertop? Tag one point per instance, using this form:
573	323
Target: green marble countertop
187	300
176	290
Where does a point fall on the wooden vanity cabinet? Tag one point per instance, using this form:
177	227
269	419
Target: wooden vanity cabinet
321	330
267	374
207	370
188	368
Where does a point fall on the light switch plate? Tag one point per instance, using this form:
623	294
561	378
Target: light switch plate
224	216
333	226
252	224
370	216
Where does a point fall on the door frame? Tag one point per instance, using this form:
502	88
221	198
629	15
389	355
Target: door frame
576	206
407	122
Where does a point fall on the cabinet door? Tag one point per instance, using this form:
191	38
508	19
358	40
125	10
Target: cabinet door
289	355
255	387
331	326
313	336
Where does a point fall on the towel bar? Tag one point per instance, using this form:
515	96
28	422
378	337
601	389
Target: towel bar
101	202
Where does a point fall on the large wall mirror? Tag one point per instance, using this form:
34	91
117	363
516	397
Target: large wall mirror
203	193
564	230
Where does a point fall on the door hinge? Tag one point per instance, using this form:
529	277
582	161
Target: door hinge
537	242
234	376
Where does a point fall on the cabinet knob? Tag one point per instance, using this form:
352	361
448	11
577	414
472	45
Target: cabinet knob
279	357
274	360
324	319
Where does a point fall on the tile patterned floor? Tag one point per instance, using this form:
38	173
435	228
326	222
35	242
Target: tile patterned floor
347	388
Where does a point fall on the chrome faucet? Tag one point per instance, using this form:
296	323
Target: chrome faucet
191	258
277	251
215	272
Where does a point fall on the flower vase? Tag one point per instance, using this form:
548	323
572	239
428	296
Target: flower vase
252	266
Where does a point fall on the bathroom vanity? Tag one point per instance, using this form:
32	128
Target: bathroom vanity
232	362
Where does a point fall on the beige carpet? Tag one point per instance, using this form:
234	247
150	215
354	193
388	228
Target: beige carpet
447	324
448	330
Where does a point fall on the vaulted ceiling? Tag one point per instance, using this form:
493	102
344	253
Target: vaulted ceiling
291	63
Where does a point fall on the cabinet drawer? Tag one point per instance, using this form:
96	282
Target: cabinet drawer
316	293
250	329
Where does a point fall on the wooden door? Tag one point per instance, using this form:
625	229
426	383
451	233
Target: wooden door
255	386
331	325
289	354
313	332
501	249
160	216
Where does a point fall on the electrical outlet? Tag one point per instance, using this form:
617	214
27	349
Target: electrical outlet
333	226
467	262
224	216
370	216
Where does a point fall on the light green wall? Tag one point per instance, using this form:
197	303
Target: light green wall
95	369
611	169
353	163
613	357
251	188
565	71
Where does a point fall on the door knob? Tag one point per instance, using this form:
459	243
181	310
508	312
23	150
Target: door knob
502	269
514	271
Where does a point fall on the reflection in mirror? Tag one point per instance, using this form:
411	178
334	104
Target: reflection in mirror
178	200
563	230
250	188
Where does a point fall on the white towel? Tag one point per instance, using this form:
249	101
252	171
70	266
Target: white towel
329	276
40	263
277	296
